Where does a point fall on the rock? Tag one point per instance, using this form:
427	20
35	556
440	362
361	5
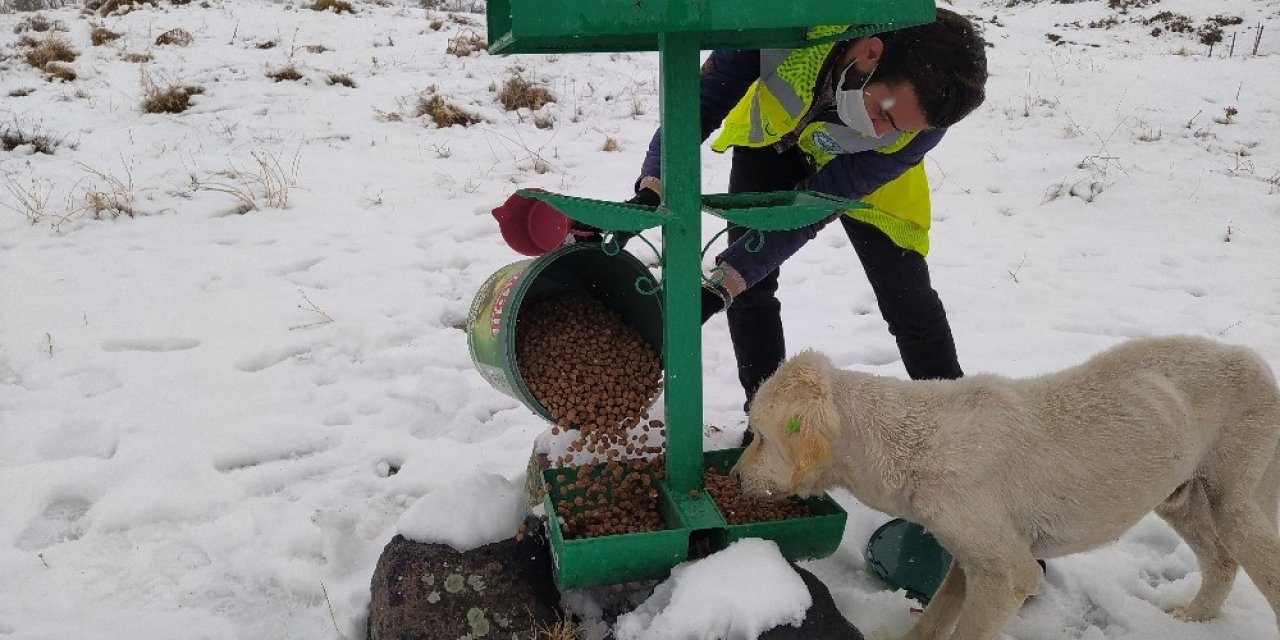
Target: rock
822	621
433	592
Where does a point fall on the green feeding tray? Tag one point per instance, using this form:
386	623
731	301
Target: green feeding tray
778	210
585	562
907	557
555	26
693	525
767	211
614	216
807	538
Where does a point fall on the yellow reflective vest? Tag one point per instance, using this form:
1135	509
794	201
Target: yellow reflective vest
777	103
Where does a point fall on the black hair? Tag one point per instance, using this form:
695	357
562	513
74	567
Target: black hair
944	60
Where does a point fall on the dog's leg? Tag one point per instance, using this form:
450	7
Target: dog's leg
1250	537
1269	490
1000	573
943	609
1189	515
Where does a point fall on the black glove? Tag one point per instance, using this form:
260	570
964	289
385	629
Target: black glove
647	197
714	300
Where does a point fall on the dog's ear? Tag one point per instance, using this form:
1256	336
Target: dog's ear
805	381
811	453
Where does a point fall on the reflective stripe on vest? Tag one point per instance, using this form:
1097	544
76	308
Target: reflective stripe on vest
778	101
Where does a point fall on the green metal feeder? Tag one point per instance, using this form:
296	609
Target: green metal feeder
678	30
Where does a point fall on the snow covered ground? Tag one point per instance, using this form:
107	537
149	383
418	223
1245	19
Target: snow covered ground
213	415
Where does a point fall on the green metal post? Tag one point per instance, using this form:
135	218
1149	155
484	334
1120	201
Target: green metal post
681	270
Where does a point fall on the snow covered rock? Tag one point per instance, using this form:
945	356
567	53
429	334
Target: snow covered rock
425	591
770	599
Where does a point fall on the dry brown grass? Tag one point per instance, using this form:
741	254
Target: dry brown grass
343	79
544	121
443	113
107	195
458	18
436	24
466	44
563	629
611	144
337	6
316	48
115	7
137	58
59	71
175	37
100	35
52	49
22	92
289	73
518	93
268	185
170	99
40	24
14	136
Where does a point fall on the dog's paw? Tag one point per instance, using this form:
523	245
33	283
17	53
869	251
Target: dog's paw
1192	613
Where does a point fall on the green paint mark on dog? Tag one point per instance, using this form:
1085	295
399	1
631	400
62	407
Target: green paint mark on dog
793	425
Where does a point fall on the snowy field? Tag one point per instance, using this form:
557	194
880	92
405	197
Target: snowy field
231	345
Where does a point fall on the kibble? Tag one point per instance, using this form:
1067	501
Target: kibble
738	508
626	503
595	375
586	366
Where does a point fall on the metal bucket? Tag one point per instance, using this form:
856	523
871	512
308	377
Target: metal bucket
620	281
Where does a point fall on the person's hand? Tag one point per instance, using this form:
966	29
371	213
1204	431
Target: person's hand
583	232
715	298
646	197
719	289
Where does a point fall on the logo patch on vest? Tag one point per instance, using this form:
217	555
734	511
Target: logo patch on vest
824	141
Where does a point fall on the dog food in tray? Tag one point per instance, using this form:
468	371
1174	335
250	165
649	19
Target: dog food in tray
606	499
737	508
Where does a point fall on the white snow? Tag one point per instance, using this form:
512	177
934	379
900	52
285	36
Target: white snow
212	420
736	594
475	510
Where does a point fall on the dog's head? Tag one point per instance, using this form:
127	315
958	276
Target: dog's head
794	417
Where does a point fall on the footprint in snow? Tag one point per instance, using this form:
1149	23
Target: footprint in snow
61	521
154	345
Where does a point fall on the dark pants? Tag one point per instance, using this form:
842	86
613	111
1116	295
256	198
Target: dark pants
899	278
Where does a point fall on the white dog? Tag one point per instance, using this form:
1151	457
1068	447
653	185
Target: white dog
1005	471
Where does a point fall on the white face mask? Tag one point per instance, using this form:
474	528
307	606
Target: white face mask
851	106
